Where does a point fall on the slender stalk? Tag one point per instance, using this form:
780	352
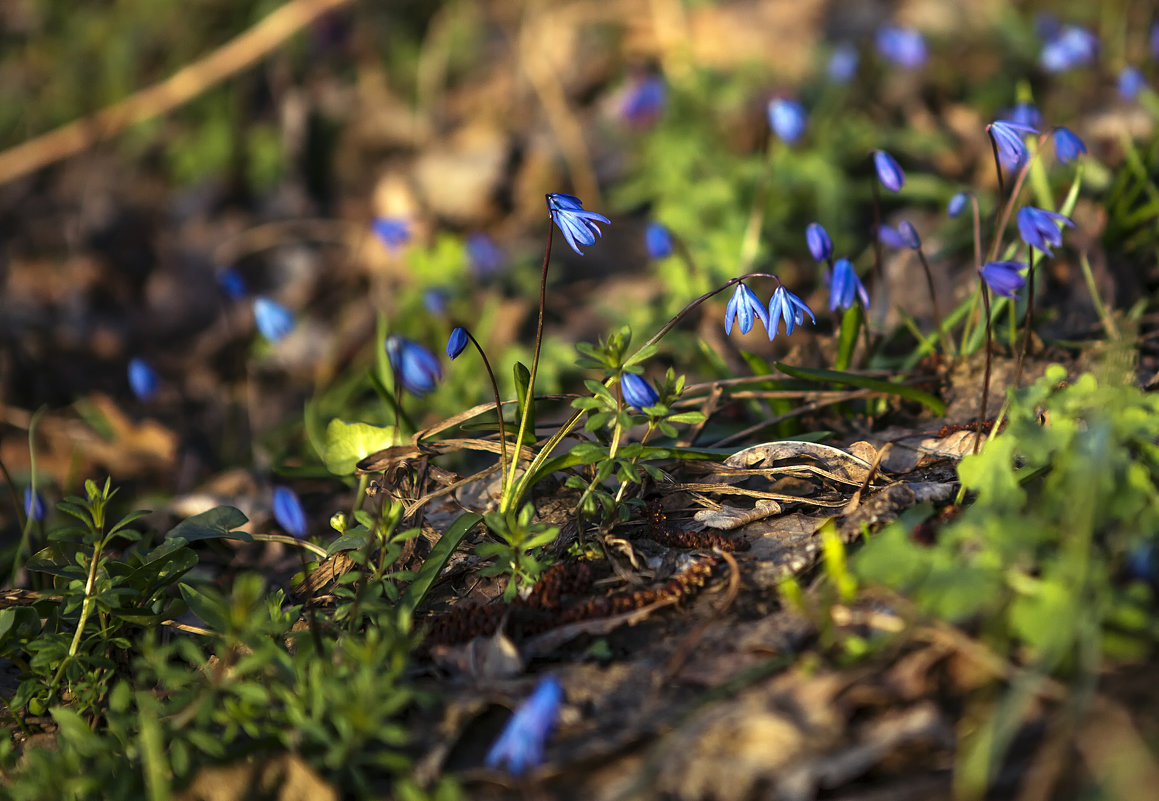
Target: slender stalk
498	409
986	375
997	162
1029	325
946	345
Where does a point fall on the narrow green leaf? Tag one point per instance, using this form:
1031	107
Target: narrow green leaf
434	563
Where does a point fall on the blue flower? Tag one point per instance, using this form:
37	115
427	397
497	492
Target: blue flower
435	300
415	367
784	305
456	342
787	119
1025	114
1004	277
644	101
658	241
33	505
142	380
231	283
1131	82
957	203
1007	137
485	256
889	172
577	225
638	393
741	307
843	63
844	286
1067	146
288	512
1039	228
273	320
890	236
393	231
904	47
909	235
1071	47
520	745
820	245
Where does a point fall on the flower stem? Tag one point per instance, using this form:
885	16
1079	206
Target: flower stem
498	410
946	345
986	374
1029	325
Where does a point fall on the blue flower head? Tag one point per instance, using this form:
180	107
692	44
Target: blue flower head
644	101
142	380
909	235
1004	277
741	307
1070	47
415	367
845	287
393	231
520	745
1131	82
484	255
231	283
890	237
577	225
1007	138
905	47
288	512
456	343
658	241
638	393
1067	146
889	172
784	305
820	245
1039	228
957	204
843	63
1025	114
787	118
33	505
435	300
273	320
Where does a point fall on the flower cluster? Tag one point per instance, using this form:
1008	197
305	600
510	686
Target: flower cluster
744	307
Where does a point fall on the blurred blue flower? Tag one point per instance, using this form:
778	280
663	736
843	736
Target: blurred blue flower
577	225
1131	82
485	256
638	393
1071	47
1153	40
231	283
520	745
741	307
33	505
415	367
1141	563
1039	228
143	380
889	172
843	63
890	237
456	342
393	231
784	305
905	47
957	203
845	286
658	241
1007	137
820	245
644	101
1067	146
273	320
289	513
787	118
1025	114
435	299
1004	277
909	235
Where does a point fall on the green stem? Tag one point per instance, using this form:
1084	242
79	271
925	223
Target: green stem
498	411
986	375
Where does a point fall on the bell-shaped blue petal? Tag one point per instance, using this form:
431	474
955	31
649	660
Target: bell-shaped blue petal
1070	47
820	245
787	118
288	512
394	232
456	343
638	393
742	308
889	172
644	101
658	241
957	204
890	237
909	235
33	505
1026	114
577	225
1131	82
784	305
1004	277
845	287
273	320
905	47
1067	146
520	745
143	380
415	367
1007	137
1039	228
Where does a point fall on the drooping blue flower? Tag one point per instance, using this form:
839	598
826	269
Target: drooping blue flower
415	367
1071	47
1039	228
1131	82
741	307
644	101
820	245
456	342
577	225
638	393
889	172
845	287
435	299
787	118
143	380
485	256
957	203
905	47
520	745
784	305
393	231
909	235
1007	137
890	237
843	63
231	283
1067	146
288	512
273	320
33	505
1004	277
1025	114
658	241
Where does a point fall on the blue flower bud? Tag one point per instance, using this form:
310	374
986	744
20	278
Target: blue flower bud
658	241
637	392
456	342
909	235
889	172
288	512
142	380
1067	146
787	119
273	320
820	245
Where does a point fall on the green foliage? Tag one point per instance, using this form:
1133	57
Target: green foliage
517	554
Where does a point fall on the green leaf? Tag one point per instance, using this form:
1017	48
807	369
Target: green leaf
210	607
847	337
526	401
349	443
214	524
434	563
877	385
347	542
